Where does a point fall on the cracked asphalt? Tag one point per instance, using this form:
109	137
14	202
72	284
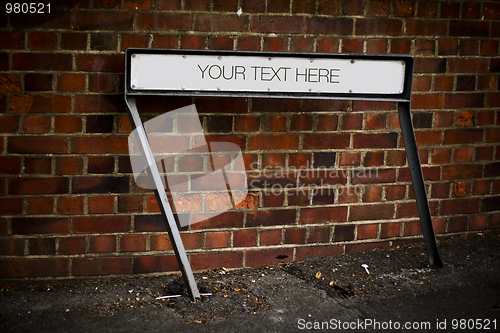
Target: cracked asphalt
400	293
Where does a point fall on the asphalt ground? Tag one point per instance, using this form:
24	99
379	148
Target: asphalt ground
400	293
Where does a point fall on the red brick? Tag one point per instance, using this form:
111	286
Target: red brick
102	83
225	5
380	26
412	228
36	124
372	212
352	121
38	267
478	222
212	22
219	239
352	45
295	236
323	214
20	103
42	61
344	233
102	244
319	235
12	246
349	159
244	238
40	206
50	104
108	4
459	136
389	230
70	205
42	246
42	41
367	231
326	141
68	124
98	20
273	141
100	63
459	206
327	45
165	41
400	46
443	83
484	153
373	176
318	251
301	44
220	43
457	224
395	192
376	46
425	47
492	170
493	100
430	173
193	42
278	24
69	165
100	266
73	41
10	83
489	48
468	65
9	124
428	138
425	27
327	25
99	145
151	264
138	4
469	47
404	8
225	220
427	101
469	28
271	217
441	155
491	11
275	123
374	158
270	237
203	261
490	204
463	154
100	185
372	194
10	165
33	225
494	221
461	189
440	190
101	224
430	65
381	140
354	248
132	243
72	245
25	185
267	257
355	7
248	43
101	205
12	40
462	171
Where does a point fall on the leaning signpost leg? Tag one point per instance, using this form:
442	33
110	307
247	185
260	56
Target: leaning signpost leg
418	183
161	197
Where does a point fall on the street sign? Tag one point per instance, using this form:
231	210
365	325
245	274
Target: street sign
258	74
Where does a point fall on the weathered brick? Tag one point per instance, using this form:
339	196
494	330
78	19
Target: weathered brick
149	264
100	266
42	61
378	27
323	214
277	24
211	22
203	261
39	267
132	243
35	225
372	212
101	224
270	217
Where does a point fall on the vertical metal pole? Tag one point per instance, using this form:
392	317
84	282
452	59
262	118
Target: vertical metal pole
417	179
161	197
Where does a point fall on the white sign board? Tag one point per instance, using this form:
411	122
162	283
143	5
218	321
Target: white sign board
265	74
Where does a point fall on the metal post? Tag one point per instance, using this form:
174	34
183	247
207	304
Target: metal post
418	183
161	197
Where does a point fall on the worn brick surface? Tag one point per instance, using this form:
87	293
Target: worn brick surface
67	192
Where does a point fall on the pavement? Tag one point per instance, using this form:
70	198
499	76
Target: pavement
399	292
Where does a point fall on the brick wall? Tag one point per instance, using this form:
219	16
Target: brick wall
69	206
